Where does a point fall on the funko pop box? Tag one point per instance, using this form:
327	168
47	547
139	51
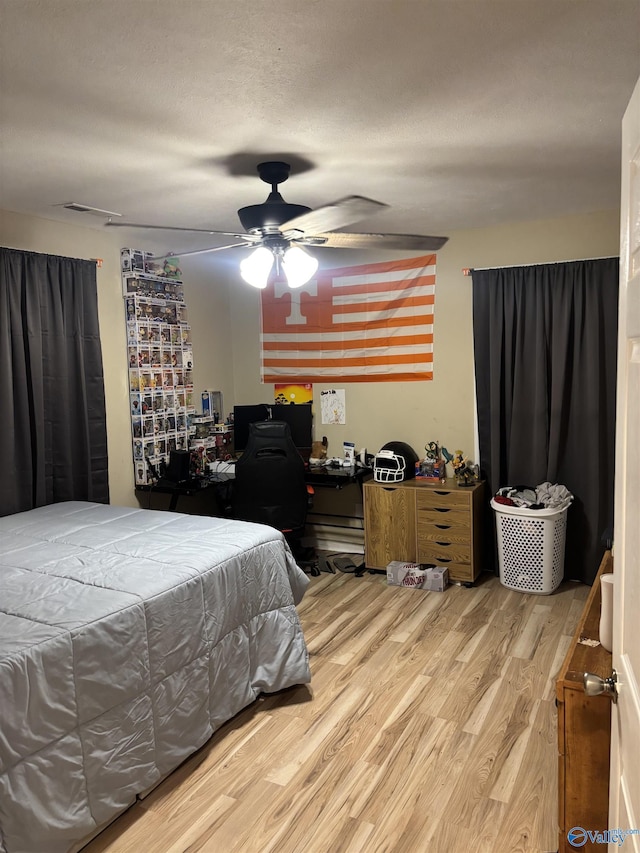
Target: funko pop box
415	576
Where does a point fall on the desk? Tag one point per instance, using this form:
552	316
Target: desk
324	478
336	478
189	488
340	512
222	479
316	475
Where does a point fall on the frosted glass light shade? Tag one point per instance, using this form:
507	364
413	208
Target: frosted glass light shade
256	268
298	266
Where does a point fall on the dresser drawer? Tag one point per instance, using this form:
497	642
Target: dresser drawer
445	518
443	532
443	499
458	571
443	552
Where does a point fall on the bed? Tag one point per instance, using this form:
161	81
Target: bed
127	637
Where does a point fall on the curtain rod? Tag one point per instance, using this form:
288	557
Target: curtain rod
469	270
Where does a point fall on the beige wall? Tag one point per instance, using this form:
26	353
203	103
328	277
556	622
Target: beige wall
441	410
225	320
207	298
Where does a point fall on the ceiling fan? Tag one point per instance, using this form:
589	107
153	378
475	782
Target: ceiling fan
279	230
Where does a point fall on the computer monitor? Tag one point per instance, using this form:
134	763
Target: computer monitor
300	420
242	417
298	416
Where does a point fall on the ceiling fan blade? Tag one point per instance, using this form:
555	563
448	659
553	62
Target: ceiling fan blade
200	251
176	228
403	242
339	213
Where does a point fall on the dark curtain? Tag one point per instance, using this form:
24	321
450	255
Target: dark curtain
54	438
545	341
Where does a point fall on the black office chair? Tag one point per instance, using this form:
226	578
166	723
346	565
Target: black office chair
270	488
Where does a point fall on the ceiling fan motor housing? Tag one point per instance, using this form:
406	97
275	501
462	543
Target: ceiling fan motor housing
275	210
272	212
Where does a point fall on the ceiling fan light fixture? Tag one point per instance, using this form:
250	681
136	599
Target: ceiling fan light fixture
256	268
299	266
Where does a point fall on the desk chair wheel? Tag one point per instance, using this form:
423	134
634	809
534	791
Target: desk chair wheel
310	566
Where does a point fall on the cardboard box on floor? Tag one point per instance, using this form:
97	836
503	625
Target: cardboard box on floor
414	576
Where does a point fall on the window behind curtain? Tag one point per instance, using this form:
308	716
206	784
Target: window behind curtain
545	340
54	444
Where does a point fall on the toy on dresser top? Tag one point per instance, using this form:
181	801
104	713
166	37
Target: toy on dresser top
464	471
432	467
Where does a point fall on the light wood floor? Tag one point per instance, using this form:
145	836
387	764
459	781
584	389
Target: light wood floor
429	727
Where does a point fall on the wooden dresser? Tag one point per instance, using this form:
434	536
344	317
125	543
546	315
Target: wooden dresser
584	728
423	522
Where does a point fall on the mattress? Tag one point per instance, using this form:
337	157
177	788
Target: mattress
127	637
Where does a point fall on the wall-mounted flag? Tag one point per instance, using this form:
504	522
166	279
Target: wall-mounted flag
366	323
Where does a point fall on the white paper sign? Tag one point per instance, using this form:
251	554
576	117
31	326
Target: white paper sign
332	406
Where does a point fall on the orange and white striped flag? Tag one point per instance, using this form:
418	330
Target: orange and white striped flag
368	323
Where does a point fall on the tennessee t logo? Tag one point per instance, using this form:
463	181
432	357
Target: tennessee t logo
295	316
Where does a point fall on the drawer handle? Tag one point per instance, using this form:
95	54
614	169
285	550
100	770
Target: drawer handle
444	544
443	559
441	509
443	526
436	492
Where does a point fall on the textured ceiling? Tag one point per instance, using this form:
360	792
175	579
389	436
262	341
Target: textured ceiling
457	113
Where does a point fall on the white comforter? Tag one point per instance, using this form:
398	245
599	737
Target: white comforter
126	638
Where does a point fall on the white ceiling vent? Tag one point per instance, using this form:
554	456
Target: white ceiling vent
85	208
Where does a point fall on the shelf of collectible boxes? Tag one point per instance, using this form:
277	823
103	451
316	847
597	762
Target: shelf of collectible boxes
212	441
160	358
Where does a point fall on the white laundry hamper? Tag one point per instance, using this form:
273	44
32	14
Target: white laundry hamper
531	546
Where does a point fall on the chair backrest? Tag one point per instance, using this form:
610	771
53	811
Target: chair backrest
269	485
